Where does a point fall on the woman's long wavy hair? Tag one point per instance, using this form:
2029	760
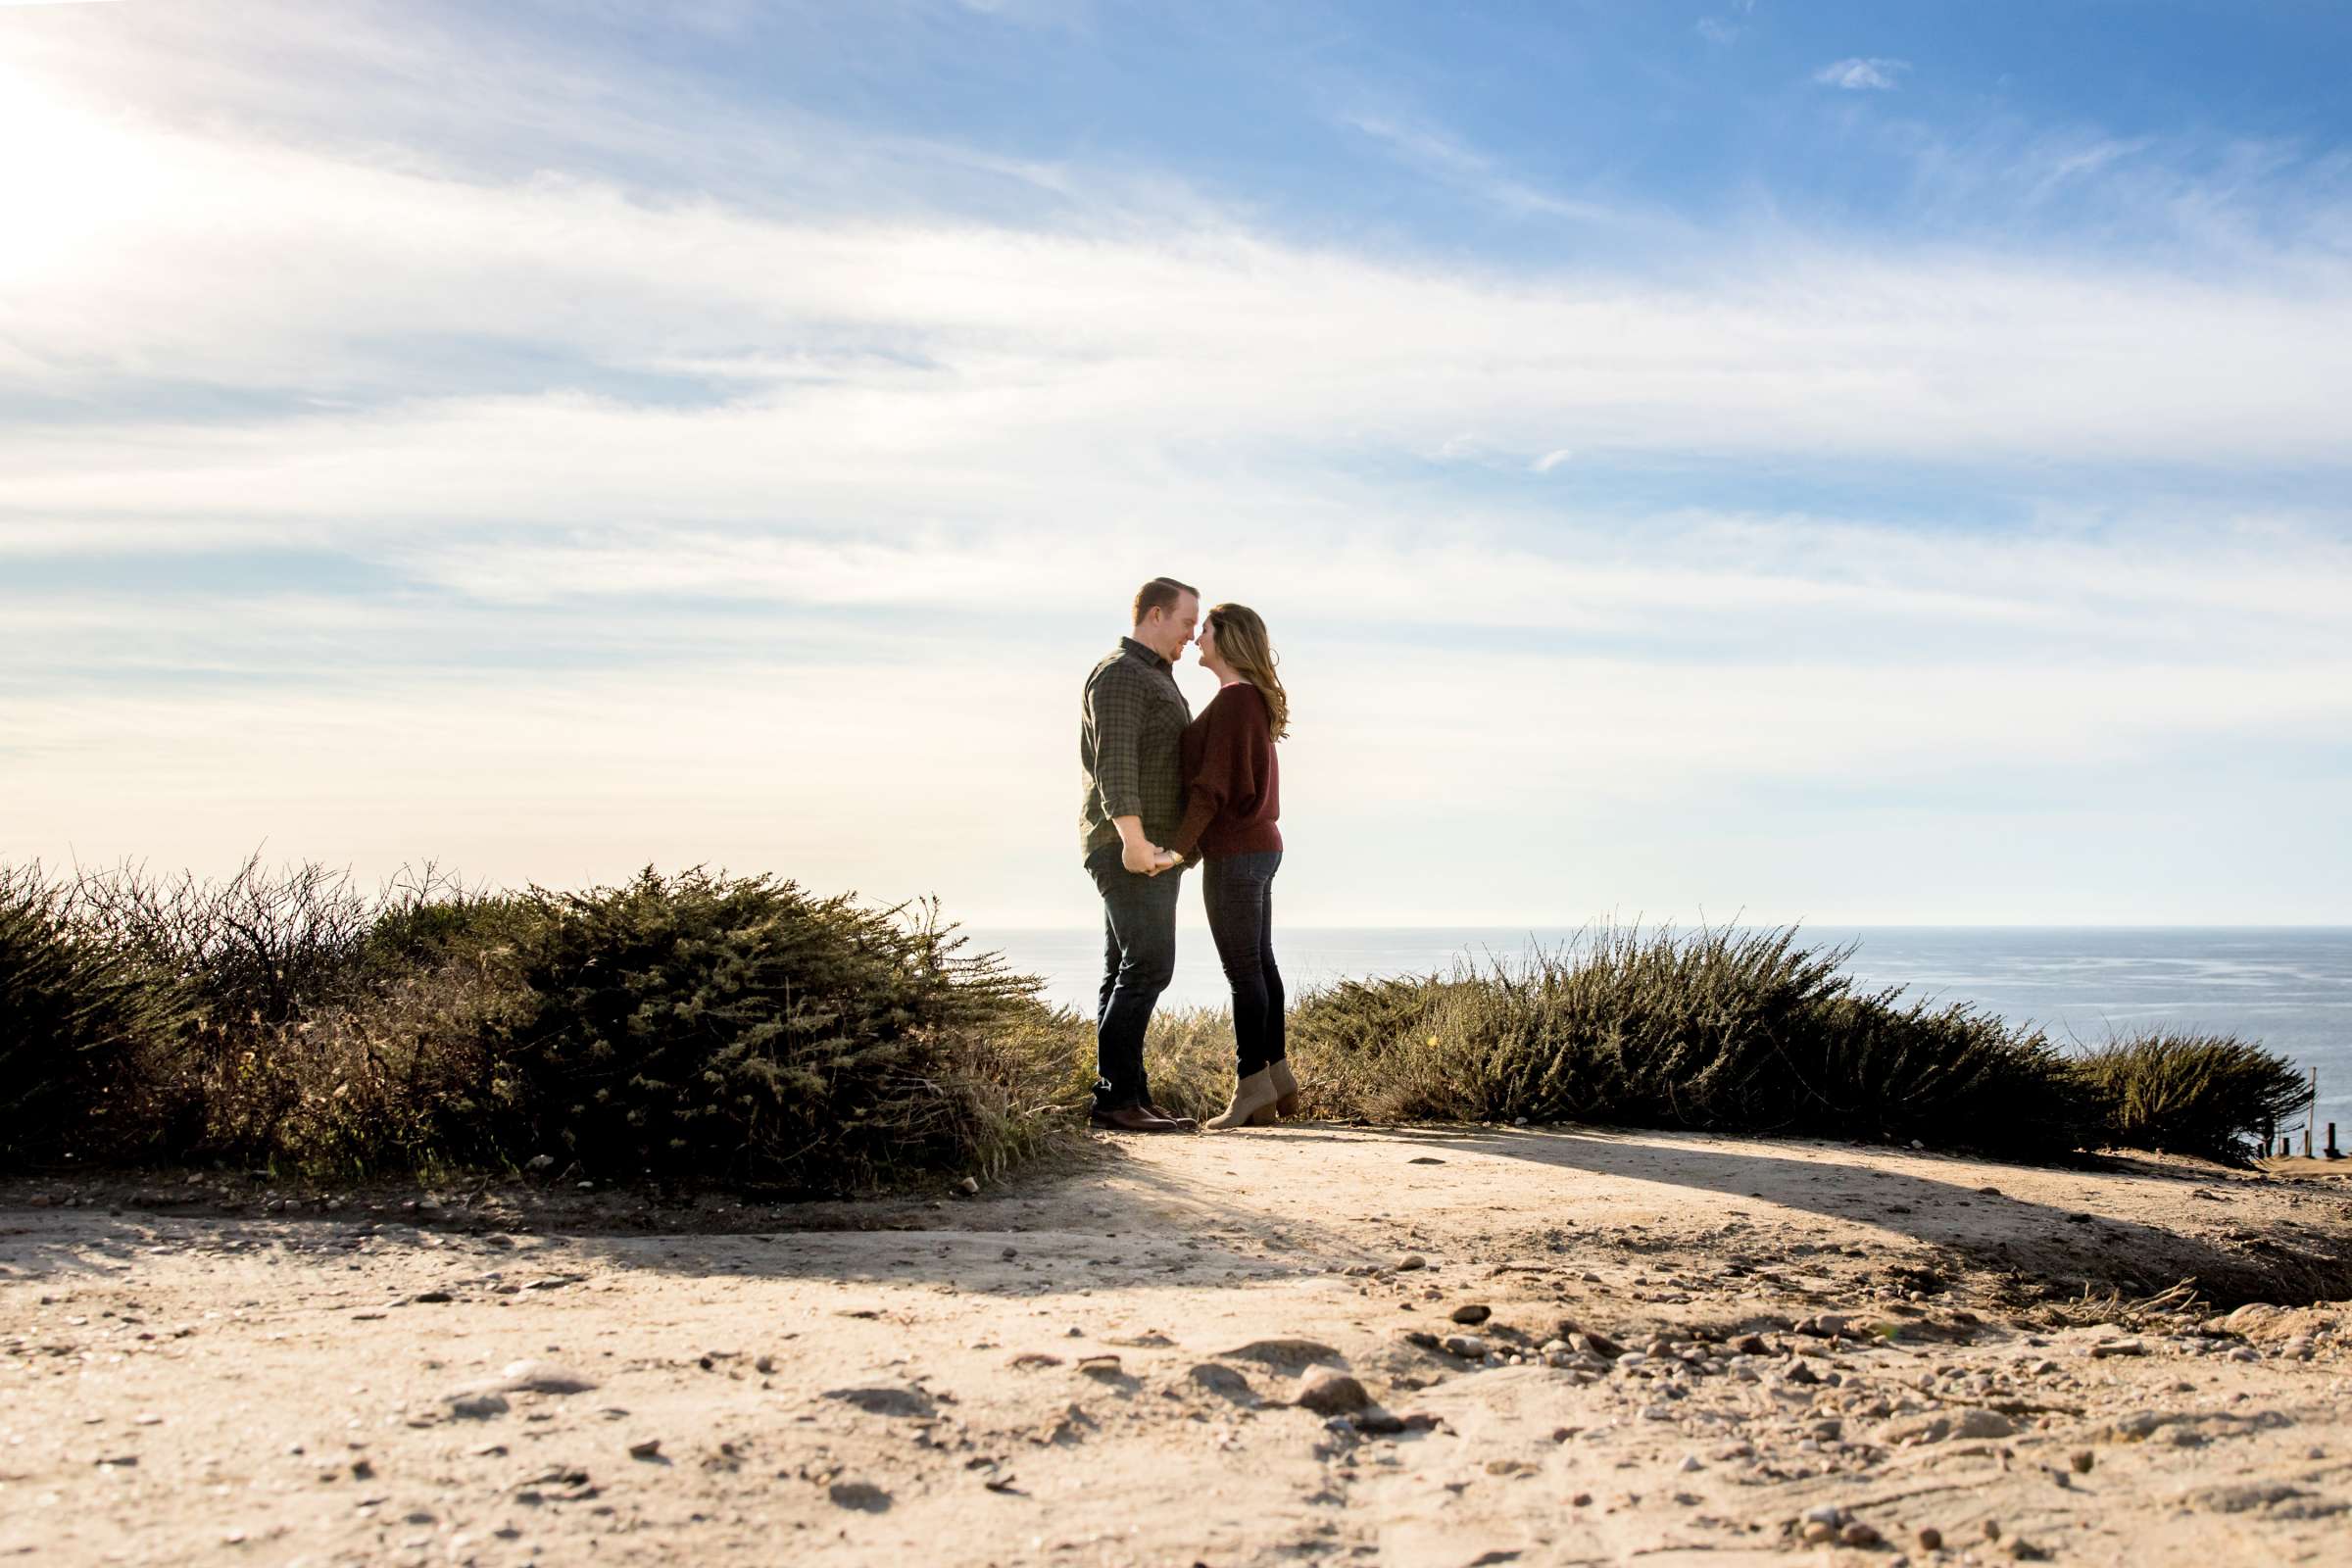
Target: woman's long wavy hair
1242	643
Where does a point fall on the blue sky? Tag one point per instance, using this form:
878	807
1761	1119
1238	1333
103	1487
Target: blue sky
1849	463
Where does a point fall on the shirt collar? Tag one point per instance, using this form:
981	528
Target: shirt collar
1134	647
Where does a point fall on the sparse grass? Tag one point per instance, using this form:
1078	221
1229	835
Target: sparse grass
742	1029
1189	1052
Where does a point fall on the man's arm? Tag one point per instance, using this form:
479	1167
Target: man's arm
1116	704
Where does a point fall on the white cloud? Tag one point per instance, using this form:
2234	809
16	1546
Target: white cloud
662	437
924	368
923	372
1873	74
945	356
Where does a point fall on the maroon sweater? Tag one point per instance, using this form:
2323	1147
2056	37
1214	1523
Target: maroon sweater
1231	797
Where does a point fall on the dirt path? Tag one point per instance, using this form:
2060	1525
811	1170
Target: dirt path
1096	1367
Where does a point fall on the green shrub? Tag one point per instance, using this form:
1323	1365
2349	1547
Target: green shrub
1726	1031
428	919
2208	1095
79	1023
1947	1076
740	1027
400	1079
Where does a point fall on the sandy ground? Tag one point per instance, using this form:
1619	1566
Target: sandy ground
1758	1351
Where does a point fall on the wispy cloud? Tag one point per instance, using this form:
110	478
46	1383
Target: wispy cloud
2155	588
1441	156
1857	75
1727	28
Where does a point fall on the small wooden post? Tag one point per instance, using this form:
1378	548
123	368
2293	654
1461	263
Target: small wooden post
2311	1111
2332	1151
2287	1147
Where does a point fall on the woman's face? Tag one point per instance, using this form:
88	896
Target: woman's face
1207	642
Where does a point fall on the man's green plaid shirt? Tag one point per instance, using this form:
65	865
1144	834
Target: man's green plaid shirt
1129	736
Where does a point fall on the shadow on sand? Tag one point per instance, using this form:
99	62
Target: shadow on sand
1117	1219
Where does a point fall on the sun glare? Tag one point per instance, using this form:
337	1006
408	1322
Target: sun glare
70	182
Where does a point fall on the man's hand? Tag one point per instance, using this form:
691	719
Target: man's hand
1138	854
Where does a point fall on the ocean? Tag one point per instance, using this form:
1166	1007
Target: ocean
2290	988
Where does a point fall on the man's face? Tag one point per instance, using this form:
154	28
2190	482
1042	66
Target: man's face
1166	631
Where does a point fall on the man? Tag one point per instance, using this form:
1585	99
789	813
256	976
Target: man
1130	729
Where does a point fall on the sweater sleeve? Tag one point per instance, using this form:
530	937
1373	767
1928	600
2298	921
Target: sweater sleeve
1115	704
1227	772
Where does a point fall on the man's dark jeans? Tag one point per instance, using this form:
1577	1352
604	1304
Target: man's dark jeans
1239	890
1139	958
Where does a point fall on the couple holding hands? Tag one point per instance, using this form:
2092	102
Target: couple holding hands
1164	789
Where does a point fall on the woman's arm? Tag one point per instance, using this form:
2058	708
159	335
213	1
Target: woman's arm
1210	785
1228	769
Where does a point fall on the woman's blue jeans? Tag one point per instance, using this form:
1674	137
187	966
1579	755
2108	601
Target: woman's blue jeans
1239	892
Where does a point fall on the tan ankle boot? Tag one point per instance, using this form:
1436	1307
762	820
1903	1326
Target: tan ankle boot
1253	1102
1286	1089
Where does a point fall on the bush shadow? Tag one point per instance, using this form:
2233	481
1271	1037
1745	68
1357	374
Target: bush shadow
1976	1221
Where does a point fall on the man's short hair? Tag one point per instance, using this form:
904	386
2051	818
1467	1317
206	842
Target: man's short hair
1161	593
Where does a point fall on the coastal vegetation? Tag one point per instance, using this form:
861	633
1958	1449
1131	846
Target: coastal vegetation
1726	1031
742	1029
2191	1094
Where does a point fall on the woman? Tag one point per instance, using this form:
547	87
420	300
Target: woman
1231	802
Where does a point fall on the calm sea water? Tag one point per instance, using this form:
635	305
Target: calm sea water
2290	988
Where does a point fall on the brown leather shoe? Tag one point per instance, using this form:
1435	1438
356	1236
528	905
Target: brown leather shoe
1132	1119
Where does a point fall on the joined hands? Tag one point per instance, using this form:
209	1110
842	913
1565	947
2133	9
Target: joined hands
1147	858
